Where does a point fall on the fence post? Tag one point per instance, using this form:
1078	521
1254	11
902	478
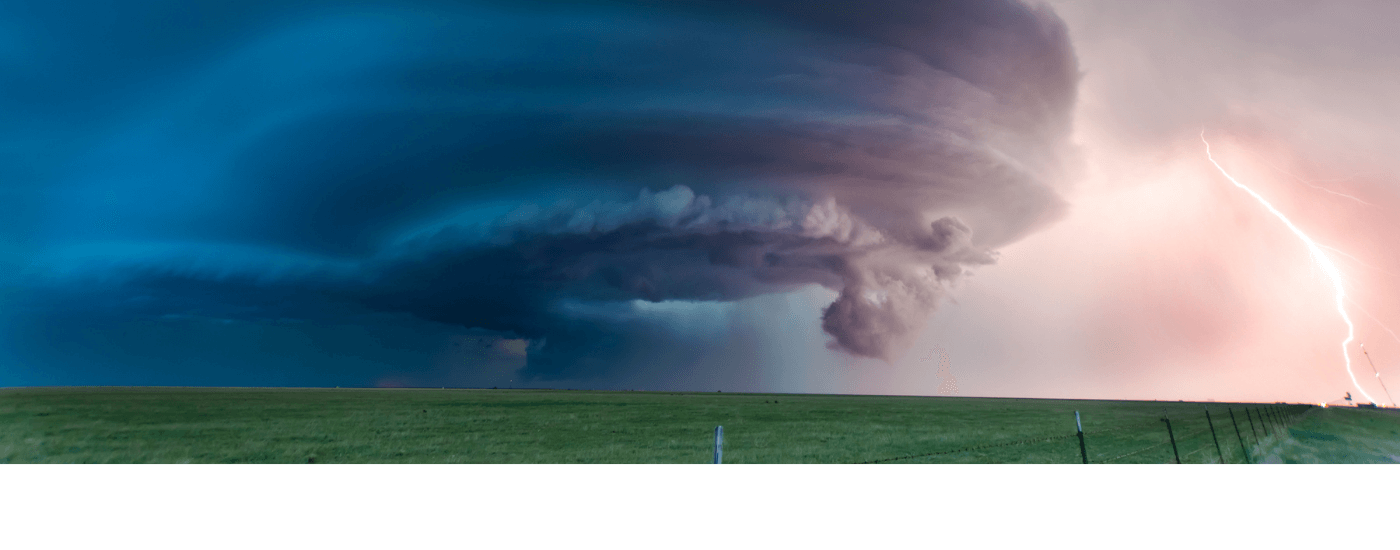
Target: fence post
1251	425
1173	438
719	444
1237	434
1216	439
1262	424
1083	451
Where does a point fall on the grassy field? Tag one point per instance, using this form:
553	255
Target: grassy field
1338	436
253	425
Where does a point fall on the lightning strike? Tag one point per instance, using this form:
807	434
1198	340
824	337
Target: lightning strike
1319	188
1330	269
1373	318
1358	261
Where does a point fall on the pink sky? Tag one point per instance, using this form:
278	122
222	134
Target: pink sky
1164	281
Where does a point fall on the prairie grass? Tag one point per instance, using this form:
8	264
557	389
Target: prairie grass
262	425
1338	436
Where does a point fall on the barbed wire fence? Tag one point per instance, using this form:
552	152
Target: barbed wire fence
1179	438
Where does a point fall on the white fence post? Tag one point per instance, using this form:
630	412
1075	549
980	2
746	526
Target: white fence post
1083	451
719	444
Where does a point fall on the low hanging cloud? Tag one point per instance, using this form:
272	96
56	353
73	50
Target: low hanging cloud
675	245
481	164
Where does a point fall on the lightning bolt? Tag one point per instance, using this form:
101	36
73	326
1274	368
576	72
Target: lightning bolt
1373	318
1328	268
1323	189
1359	261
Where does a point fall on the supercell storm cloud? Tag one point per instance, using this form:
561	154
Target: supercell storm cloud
510	167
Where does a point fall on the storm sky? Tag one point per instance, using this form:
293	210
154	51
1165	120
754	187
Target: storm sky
694	195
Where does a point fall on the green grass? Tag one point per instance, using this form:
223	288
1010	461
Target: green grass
1338	436
250	425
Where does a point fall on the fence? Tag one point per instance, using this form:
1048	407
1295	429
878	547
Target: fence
1207	437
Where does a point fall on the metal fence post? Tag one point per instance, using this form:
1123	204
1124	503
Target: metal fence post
719	444
1251	425
1083	452
1237	434
1173	439
1216	439
1262	424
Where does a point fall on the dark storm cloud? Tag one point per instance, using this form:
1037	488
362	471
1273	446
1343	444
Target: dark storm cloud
484	165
